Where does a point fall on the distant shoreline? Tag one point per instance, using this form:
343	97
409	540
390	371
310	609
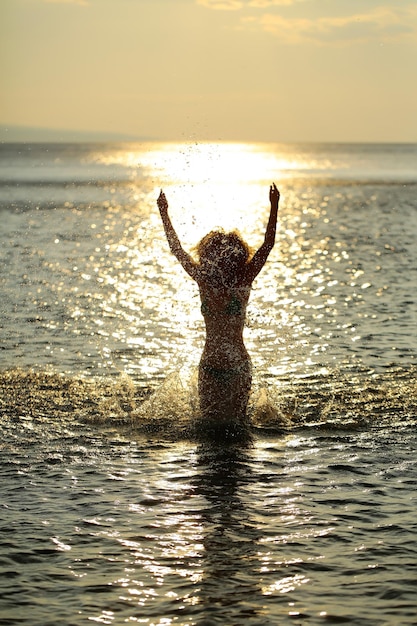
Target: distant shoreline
27	135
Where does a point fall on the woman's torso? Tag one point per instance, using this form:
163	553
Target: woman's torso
224	312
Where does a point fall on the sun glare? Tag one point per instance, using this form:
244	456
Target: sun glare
212	185
220	164
215	184
216	162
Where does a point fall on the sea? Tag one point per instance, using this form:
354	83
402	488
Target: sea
112	509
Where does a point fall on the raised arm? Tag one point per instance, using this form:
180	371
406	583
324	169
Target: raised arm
259	258
174	243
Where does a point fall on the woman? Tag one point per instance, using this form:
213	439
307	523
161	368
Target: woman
224	274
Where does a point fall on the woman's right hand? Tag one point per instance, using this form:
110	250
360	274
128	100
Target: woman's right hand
274	194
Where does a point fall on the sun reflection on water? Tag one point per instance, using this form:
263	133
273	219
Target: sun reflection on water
210	184
202	162
134	298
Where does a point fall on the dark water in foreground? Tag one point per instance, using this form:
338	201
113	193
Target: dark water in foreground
111	508
311	527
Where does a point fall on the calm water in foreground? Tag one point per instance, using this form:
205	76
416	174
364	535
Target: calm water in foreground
111	510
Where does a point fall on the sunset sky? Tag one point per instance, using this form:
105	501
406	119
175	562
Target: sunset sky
193	70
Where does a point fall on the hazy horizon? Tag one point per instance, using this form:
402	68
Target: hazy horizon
23	134
27	134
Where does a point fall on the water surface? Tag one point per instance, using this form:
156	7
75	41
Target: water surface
111	510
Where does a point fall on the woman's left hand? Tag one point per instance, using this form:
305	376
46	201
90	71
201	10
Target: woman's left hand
162	202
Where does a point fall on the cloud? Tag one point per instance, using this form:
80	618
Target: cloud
234	5
380	24
223	5
82	3
261	4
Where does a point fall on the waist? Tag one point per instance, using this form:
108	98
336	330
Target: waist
224	355
225	330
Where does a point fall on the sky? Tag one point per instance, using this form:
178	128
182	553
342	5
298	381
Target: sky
214	70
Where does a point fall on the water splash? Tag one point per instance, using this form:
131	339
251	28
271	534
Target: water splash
331	400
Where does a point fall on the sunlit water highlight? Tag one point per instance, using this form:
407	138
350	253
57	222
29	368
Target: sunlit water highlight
111	510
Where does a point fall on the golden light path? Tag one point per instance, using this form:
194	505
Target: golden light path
189	544
209	186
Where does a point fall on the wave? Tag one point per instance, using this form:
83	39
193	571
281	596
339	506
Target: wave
298	180
66	183
350	401
44	194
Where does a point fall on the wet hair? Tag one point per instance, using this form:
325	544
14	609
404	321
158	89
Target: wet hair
222	256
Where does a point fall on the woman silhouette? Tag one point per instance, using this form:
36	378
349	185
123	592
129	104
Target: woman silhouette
224	273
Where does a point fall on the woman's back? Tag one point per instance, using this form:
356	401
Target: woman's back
224	308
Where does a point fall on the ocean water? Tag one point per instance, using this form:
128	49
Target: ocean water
111	509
